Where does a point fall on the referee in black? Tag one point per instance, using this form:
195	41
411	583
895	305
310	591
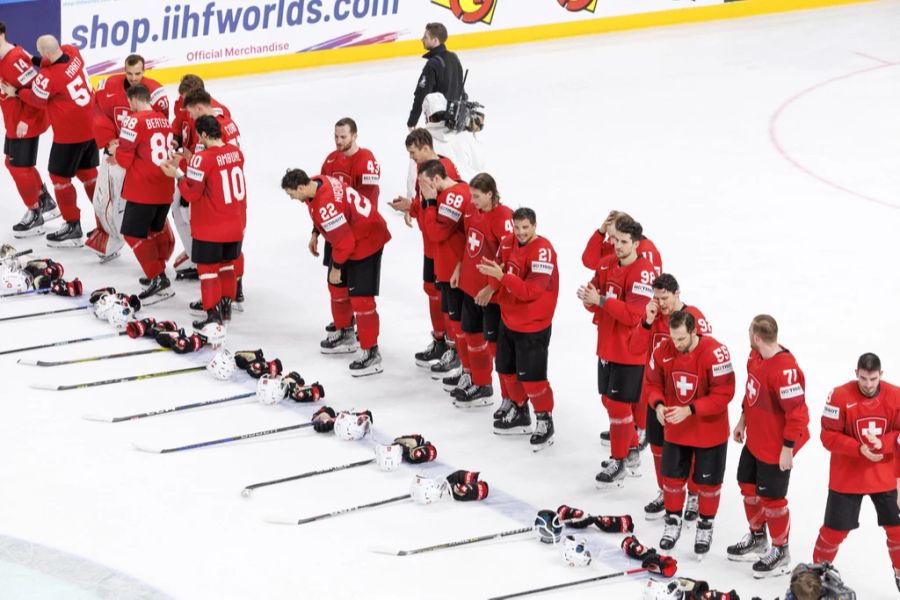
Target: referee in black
442	73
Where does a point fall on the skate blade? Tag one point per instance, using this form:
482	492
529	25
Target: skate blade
109	258
51	214
776	572
539	447
611	485
426	364
604	442
373	370
339	350
157	298
750	557
449	388
515	431
700	556
24	235
66	244
237	307
479	403
440	376
654	516
633	471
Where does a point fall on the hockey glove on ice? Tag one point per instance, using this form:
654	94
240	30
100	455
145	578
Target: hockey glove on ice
416	449
574	517
621	524
464	486
323	419
61	287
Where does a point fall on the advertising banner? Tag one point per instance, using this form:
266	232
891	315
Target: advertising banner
27	19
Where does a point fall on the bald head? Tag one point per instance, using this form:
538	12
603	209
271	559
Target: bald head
48	46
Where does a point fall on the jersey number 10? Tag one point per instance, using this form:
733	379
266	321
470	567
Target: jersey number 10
233	186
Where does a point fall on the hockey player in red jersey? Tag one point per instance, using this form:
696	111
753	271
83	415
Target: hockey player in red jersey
526	277
860	427
63	88
774	424
602	244
419	145
144	142
617	296
356	167
111	110
217	192
487	222
691	382
653	330
24	124
444	201
357	233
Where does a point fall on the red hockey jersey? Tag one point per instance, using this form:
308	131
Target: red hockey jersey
144	143
444	227
360	171
600	246
111	105
847	418
183	124
349	221
64	89
416	212
484	230
16	69
529	288
627	290
775	405
216	189
702	378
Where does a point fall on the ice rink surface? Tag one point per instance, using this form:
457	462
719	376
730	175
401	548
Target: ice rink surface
760	155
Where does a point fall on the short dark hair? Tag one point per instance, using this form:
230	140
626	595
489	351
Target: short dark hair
682	317
432	168
138	91
2	28
210	126
189	83
348	122
195	97
437	30
294	178
133	59
666	281
869	362
766	327
525	214
419	138
485	184
625	224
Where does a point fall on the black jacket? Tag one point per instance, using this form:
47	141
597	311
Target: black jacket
442	73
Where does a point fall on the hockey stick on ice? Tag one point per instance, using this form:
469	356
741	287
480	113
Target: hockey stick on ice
473	540
56	363
571	583
249	489
235	438
25	293
78	386
294	521
101	336
165	411
45	313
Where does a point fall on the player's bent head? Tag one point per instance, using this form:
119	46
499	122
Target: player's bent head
524	214
48	46
765	327
682	319
209	126
138	92
197	98
666	282
432	169
347	122
419	138
485	184
294	178
869	362
190	82
437	31
625	224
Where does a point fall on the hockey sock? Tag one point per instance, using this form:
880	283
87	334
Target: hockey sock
514	387
708	503
227	279
673	494
541	395
66	199
656	451
480	358
639	412
28	182
367	322
210	287
462	350
827	544
147	256
239	266
341	311
165	243
452	328
434	309
893	544
88	178
622	435
753	507
778	518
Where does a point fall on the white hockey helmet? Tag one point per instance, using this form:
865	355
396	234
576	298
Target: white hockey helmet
425	490
15	281
575	552
222	365
661	590
214	334
388	456
120	314
271	389
351	426
102	306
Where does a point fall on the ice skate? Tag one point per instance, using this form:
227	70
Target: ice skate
367	363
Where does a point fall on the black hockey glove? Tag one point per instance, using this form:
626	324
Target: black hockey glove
635	549
464	486
306	394
61	287
243	358
186	344
416	449
574	517
323	419
141	328
97	294
258	368
620	524
661	564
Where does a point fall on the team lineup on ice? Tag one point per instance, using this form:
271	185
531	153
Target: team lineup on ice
595	317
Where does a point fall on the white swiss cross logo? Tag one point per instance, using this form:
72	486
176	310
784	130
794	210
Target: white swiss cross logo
685	386
613	290
753	388
120	113
870	426
474	243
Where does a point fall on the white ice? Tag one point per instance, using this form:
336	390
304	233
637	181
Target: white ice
761	156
